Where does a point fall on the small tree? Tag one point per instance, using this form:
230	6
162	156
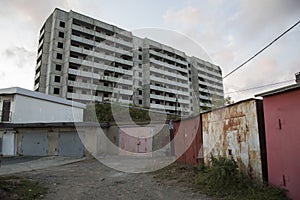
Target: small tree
228	100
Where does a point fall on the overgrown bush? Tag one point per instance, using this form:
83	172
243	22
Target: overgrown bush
102	112
222	178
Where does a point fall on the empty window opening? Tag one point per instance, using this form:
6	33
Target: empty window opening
57	79
56	91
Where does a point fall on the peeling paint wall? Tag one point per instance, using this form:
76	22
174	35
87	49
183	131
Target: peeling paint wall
233	132
188	140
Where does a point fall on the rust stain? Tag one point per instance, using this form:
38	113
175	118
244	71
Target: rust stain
233	132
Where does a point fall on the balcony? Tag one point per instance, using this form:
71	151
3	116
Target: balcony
163	107
83	29
82	40
164	98
205	104
172	67
36	86
210	85
167	57
205	97
83	97
210	72
113	69
37	75
163	89
81	50
90	86
114	79
81	73
167	73
169	82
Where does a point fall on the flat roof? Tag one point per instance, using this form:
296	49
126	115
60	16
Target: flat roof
41	96
279	90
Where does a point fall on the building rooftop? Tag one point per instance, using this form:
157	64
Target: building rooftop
279	90
38	95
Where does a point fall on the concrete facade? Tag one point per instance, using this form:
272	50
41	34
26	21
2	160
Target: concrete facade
87	60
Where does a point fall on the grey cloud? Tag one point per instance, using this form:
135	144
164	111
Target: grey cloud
19	55
2	74
35	11
257	17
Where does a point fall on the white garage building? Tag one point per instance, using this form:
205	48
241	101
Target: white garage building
22	106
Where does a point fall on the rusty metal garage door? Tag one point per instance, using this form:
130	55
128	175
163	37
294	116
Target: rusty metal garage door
34	144
69	144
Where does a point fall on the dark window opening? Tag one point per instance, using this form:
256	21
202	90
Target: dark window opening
61	34
58	67
56	91
62	24
70	89
59	56
5	111
60	45
57	79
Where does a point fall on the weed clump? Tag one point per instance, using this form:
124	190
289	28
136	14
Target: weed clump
222	178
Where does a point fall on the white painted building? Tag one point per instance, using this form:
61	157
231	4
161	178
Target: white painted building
18	105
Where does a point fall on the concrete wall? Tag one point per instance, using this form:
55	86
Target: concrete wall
234	132
26	109
282	114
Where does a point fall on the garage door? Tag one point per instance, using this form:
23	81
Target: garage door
34	144
69	144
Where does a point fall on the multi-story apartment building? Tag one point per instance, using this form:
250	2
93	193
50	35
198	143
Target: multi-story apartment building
86	60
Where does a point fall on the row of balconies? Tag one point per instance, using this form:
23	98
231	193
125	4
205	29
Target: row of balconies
100	66
165	98
217	80
167	73
91	75
167	57
209	72
169	82
103	36
210	85
209	105
174	91
172	67
95	87
109	58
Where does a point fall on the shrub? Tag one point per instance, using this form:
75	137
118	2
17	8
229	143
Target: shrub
221	177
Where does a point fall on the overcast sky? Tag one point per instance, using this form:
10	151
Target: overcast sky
229	32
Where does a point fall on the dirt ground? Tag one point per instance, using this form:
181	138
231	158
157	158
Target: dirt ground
90	179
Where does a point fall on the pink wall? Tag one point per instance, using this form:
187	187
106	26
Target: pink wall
282	124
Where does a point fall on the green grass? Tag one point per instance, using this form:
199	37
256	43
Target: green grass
20	188
222	178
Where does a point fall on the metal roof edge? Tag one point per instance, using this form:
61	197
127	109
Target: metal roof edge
279	90
42	96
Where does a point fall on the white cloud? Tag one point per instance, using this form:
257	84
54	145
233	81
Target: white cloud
189	16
